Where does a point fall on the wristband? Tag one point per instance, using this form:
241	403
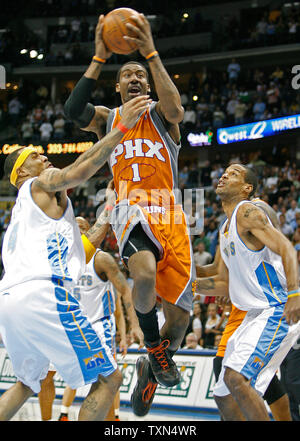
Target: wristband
151	55
295	294
122	128
98	60
295	291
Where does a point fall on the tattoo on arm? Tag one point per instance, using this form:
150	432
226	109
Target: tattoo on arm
206	284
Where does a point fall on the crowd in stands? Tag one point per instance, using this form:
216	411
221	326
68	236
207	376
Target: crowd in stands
279	25
242	96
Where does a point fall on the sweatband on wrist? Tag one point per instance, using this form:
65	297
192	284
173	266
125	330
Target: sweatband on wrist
151	55
98	60
77	107
122	128
295	291
295	294
88	248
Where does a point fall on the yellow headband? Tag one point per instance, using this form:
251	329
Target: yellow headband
20	161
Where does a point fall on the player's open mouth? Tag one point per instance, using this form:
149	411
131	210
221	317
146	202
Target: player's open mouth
134	90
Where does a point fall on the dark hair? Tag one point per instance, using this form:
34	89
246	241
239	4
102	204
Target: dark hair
251	178
131	62
10	162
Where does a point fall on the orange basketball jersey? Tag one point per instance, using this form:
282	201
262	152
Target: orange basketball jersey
235	319
144	164
144	167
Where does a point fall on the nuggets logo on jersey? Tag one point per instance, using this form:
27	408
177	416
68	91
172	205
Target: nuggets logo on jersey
94	361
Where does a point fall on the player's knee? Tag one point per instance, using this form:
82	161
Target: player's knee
144	282
232	379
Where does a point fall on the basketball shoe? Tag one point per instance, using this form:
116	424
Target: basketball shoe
144	391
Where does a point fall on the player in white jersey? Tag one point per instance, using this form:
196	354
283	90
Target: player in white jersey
40	320
96	291
258	270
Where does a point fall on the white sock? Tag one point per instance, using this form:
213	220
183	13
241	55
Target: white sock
64	409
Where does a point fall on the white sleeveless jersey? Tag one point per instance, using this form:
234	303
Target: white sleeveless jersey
256	278
95	295
37	247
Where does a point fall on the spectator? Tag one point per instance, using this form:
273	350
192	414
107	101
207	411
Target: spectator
27	130
212	321
202	257
230	109
239	112
46	130
291	213
189	119
233	70
285	227
14	111
272	96
258	109
218	117
191	342
58	127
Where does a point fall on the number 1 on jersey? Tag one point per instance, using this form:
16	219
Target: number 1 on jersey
136	175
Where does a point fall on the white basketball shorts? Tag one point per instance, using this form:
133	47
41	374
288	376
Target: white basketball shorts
257	348
41	321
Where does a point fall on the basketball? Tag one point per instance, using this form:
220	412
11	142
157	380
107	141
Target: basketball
114	28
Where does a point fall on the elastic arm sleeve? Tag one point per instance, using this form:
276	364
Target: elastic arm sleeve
77	108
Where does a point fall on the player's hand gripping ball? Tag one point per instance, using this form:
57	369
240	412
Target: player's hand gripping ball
114	28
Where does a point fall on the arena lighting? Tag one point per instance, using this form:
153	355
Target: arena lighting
23	51
195	98
257	130
33	53
185	15
40	56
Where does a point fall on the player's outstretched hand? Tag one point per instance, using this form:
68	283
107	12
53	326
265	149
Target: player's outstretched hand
133	108
143	35
101	50
292	310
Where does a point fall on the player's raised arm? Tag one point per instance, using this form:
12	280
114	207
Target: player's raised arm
77	107
169	104
86	165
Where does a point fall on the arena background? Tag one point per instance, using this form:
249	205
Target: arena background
236	67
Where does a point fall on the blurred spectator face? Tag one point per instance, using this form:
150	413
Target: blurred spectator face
191	341
196	308
201	247
212	310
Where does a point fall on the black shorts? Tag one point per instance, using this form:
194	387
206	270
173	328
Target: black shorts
138	241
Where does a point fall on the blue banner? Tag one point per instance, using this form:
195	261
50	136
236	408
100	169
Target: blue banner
257	130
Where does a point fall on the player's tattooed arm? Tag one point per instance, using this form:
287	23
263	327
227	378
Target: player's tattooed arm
86	165
259	226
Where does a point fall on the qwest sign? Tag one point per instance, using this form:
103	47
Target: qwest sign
257	130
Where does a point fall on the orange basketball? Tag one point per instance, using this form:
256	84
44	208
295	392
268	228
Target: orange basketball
114	28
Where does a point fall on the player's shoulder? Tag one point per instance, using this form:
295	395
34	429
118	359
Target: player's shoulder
249	212
103	260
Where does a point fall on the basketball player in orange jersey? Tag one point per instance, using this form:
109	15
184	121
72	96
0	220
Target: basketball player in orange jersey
150	226
275	394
